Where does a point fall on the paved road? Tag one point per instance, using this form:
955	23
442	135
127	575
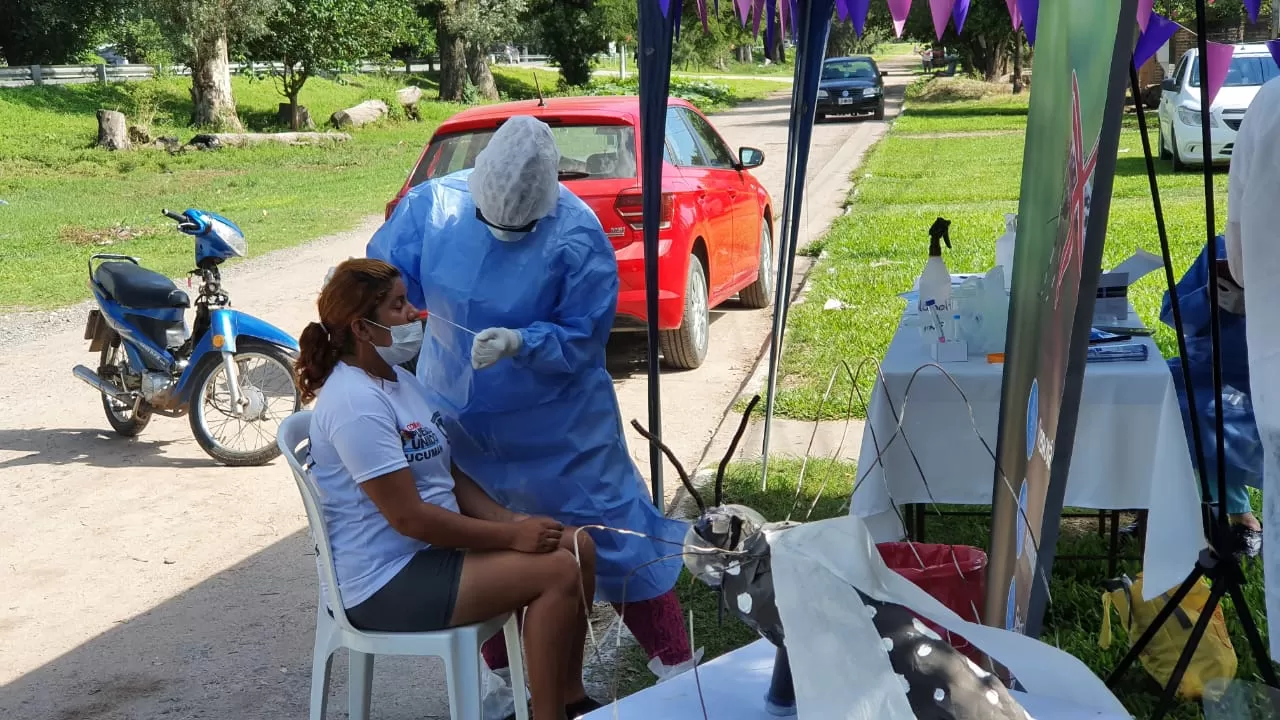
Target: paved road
139	581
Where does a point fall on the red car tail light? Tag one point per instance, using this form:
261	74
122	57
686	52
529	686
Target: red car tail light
630	208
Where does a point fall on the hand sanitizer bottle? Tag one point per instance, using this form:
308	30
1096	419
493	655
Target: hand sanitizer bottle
1005	247
935	281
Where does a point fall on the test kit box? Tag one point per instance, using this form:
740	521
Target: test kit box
1112	303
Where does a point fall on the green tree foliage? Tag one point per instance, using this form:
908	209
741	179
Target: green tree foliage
312	36
572	33
987	44
621	20
844	40
714	47
1220	14
52	31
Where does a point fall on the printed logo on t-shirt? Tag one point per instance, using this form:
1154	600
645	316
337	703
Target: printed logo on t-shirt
420	442
438	420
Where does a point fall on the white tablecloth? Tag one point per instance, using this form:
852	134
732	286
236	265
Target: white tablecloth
734	686
1130	448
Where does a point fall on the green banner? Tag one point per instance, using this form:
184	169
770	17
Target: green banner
1082	56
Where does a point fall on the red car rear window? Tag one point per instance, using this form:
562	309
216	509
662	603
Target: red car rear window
596	152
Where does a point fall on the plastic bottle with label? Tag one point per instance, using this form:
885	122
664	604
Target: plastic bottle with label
1005	246
935	281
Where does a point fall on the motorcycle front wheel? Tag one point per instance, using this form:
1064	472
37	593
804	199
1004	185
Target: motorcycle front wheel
267	385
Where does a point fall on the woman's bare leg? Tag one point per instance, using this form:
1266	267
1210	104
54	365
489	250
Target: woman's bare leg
549	586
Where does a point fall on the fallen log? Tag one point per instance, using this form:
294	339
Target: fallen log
362	114
409	98
113	130
285	138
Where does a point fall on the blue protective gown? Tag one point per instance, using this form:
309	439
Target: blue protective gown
1240	432
540	432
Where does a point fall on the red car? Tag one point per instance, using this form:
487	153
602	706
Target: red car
716	237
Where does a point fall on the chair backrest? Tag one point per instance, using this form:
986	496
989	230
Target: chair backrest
294	439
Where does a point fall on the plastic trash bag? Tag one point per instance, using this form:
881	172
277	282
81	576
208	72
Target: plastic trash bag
1239	700
1214	658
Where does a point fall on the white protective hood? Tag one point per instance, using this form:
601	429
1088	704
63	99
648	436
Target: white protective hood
1253	252
841	671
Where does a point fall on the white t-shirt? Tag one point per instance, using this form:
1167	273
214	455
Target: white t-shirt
1253	252
363	428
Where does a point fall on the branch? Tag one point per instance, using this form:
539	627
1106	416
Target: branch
684	476
733	447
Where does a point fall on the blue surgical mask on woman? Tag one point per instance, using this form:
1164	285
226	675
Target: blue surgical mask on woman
406	340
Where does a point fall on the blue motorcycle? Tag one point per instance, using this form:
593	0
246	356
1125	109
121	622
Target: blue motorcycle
231	373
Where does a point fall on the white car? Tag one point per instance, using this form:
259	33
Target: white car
1180	134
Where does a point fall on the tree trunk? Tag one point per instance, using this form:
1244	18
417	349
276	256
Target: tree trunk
481	76
453	58
1017	62
113	131
408	98
295	116
214	105
362	114
240	140
1275	18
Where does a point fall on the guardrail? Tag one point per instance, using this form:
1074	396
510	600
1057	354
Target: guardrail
29	75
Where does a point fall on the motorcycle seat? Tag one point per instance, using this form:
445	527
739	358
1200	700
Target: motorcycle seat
134	286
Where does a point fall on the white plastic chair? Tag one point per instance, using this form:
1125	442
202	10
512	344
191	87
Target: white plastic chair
459	647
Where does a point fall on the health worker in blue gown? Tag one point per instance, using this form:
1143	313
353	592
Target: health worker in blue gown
506	251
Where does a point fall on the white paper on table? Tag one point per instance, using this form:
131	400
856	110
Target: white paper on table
838	665
1139	264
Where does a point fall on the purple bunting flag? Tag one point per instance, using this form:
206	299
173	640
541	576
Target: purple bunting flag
757	10
1219	62
842	10
858	13
1253	6
702	13
960	14
1159	30
899	9
1274	47
941	10
1144	13
666	7
744	10
1013	13
1029	9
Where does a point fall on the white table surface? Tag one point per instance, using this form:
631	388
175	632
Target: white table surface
1130	448
734	686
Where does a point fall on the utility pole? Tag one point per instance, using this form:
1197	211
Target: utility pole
1017	61
1275	18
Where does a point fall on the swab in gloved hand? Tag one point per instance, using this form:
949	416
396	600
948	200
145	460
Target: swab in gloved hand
425	315
493	345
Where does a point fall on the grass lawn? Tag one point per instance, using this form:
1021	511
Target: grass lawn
959	158
64	200
1072	622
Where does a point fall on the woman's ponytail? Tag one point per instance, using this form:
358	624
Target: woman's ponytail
352	291
317	357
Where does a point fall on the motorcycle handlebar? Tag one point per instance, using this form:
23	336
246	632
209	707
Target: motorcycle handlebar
174	216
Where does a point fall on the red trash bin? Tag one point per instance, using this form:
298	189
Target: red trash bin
955	575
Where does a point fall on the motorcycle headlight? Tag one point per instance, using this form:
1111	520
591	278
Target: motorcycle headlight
822	95
870	92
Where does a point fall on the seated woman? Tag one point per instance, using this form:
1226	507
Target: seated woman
418	546
1243	456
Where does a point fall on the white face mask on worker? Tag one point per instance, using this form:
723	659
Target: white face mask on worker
406	340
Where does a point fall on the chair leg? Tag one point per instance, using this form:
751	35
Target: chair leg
462	670
359	684
515	656
321	661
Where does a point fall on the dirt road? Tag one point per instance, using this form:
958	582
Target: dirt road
138	580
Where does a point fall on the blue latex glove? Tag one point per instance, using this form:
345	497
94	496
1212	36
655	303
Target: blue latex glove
493	345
